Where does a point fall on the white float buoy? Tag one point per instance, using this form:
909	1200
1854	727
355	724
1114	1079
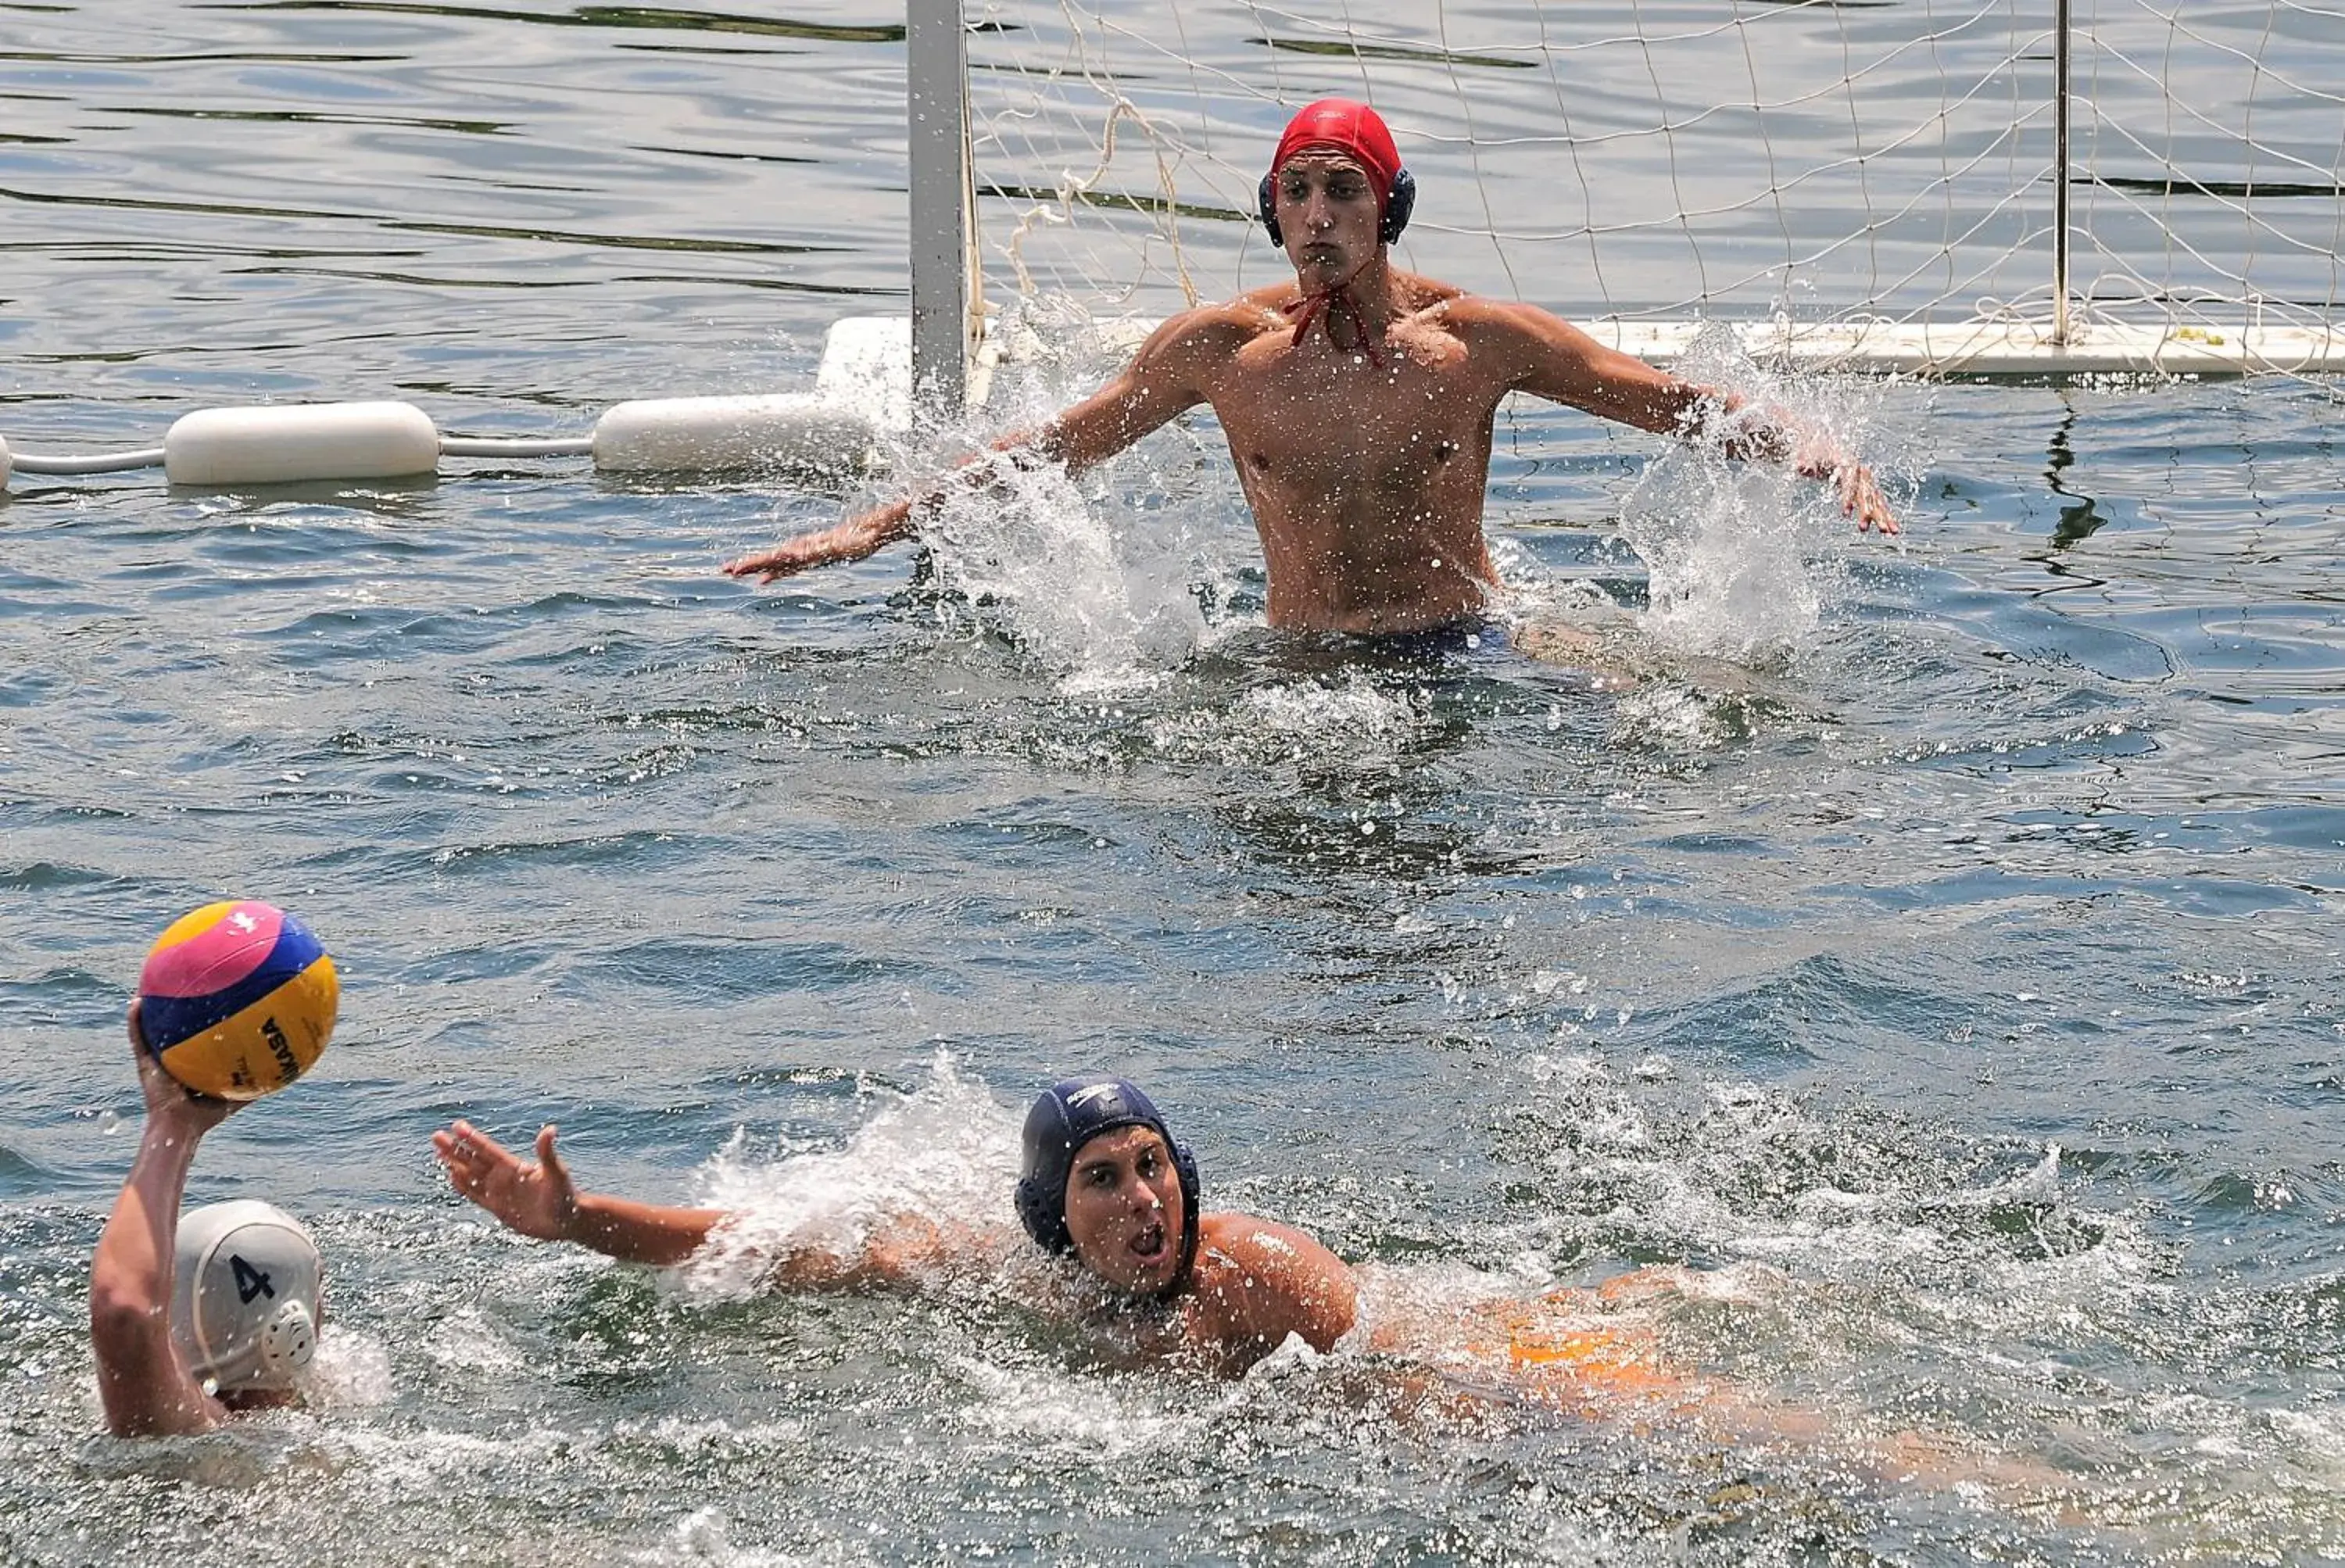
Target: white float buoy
285	443
866	366
780	430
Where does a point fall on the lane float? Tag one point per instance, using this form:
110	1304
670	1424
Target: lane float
863	393
784	430
284	443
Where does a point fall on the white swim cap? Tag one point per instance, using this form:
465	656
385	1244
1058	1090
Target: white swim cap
244	1295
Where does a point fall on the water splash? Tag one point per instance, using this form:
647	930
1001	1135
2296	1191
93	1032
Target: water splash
706	1536
1748	1172
1094	575
1093	1423
350	1369
1743	557
1112	578
946	1154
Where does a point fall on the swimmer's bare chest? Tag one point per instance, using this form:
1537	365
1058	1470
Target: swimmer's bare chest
1365	480
1337	454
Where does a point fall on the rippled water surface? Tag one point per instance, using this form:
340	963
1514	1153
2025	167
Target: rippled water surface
1934	945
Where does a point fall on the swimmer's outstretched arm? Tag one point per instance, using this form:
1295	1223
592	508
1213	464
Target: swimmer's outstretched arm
538	1199
1548	357
144	1386
1161	380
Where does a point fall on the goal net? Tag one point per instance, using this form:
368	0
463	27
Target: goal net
1642	166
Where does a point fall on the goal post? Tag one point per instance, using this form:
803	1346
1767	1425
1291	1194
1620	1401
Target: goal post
947	281
1900	186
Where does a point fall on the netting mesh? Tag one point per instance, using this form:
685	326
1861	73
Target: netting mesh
1655	159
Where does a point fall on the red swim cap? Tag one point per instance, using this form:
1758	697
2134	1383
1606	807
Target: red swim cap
1347	127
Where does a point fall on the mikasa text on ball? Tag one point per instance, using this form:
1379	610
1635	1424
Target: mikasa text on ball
236	999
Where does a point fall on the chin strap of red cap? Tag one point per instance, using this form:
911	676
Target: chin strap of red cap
1323	304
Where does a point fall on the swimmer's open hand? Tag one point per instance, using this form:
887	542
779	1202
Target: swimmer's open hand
537	1200
1860	493
1860	497
850	540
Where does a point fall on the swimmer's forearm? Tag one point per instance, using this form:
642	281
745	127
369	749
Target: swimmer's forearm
134	1252
140	1382
1021	450
875	530
907	1249
636	1232
868	532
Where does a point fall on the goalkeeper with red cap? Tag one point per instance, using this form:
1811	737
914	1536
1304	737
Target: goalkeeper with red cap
1358	403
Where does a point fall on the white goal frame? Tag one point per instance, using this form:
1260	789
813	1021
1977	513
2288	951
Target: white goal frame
2061	333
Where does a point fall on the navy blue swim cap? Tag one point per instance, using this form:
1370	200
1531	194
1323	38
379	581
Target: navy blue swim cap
1070	1115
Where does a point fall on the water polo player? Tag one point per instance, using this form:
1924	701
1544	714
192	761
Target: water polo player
194	1315
1359	401
1104	1184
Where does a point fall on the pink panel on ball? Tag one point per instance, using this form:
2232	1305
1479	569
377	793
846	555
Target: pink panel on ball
213	955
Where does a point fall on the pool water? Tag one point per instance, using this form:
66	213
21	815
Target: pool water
1930	945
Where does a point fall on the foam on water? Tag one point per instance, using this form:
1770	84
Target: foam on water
705	1535
2318	1431
1352	719
1695	1169
350	1370
945	1154
466	1340
1687	716
409	1459
1090	1423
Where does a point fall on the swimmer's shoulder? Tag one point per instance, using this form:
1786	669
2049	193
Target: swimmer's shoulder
1489	331
1226	326
1473	316
1250	1239
1264	309
1429	297
1517	345
1257	1282
1196	345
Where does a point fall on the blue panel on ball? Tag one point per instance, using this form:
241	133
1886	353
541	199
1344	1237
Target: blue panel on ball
167	1019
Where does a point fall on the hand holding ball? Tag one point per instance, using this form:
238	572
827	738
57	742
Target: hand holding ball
237	999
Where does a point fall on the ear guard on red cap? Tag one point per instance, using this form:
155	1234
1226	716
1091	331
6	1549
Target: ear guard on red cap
1399	202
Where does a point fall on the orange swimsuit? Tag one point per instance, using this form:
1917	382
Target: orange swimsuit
1560	1357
